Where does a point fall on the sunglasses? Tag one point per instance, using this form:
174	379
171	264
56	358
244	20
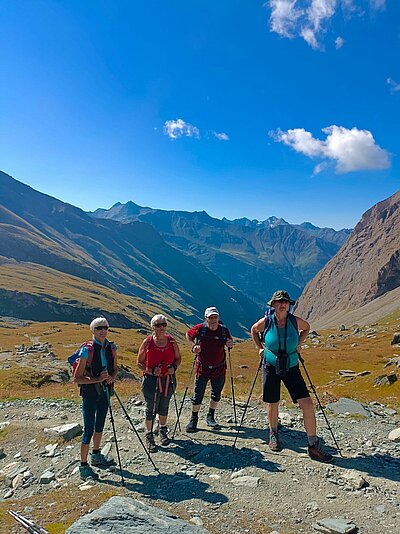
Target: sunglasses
157	325
98	328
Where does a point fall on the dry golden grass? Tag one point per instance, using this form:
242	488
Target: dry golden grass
323	363
59	504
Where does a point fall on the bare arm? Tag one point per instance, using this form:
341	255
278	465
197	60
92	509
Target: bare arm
256	329
304	329
81	378
177	360
194	347
141	359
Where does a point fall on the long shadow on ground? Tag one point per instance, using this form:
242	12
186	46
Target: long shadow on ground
382	465
171	488
221	456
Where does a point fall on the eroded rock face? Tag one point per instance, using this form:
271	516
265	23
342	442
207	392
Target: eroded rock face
122	514
366	267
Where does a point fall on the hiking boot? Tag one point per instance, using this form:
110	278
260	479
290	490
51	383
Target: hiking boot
98	459
274	443
87	473
316	452
151	444
164	438
192	425
212	422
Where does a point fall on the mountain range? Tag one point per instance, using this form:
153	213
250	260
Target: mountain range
255	257
59	263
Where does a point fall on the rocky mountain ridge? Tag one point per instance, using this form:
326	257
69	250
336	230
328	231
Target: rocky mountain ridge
366	268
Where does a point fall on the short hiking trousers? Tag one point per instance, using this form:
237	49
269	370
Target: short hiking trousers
293	381
94	411
149	385
200	385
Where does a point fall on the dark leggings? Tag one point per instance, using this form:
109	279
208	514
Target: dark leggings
94	411
149	385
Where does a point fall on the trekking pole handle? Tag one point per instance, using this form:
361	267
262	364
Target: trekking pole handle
158	367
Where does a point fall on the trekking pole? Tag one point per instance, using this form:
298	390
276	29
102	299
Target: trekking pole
29	525
184	395
107	390
248	400
155	396
320	405
135	431
233	389
173	379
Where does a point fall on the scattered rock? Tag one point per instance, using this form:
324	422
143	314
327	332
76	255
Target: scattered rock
47	477
394	435
285	419
246	481
335	526
396	339
66	432
354	479
385	379
348	406
346	372
122	514
393	361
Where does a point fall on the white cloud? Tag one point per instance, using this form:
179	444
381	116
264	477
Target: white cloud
221	136
310	19
339	42
394	86
284	17
179	128
350	149
377	4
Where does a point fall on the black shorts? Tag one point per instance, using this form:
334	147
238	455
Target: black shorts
293	381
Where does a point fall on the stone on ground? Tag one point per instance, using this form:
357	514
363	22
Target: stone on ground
120	515
350	406
338	525
66	432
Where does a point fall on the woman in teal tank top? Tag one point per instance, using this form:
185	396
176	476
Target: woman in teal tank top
283	337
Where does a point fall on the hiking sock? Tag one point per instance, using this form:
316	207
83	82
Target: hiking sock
83	464
96	451
195	416
211	411
312	440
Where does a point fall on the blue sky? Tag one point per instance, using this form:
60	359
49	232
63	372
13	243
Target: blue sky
242	108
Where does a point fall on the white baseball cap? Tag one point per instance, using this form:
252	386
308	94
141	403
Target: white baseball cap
211	311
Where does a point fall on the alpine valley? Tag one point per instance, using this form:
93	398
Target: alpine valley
59	263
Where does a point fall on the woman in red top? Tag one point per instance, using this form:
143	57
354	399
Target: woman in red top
158	358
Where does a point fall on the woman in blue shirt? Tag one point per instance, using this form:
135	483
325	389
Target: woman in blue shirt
283	338
97	369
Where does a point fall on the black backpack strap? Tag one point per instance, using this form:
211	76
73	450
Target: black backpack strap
201	334
293	320
267	326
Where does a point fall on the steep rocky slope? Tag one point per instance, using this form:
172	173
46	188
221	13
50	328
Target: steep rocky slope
367	267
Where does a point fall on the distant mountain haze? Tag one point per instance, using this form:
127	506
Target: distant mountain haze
130	262
363	279
255	257
130	259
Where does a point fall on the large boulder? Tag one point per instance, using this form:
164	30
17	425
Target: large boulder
120	515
